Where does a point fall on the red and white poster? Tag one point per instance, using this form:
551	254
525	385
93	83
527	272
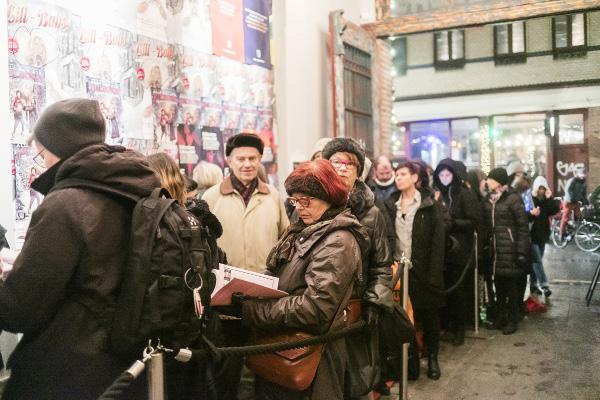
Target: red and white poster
108	95
227	29
166	114
27	97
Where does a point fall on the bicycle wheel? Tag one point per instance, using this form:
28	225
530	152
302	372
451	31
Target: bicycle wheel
559	240
587	236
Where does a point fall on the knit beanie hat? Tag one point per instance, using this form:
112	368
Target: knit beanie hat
244	140
346	145
499	175
514	167
68	126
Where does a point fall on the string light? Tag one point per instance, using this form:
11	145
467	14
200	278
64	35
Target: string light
484	149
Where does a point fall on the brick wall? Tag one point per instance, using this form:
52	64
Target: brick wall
382	67
470	15
481	73
594	147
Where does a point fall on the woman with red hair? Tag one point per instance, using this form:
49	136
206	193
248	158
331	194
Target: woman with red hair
317	261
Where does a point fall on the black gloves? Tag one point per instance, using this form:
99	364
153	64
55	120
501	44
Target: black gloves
370	314
235	309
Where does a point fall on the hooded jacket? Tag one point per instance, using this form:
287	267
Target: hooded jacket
540	228
463	207
319	278
75	246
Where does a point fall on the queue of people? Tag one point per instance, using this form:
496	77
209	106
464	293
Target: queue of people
334	259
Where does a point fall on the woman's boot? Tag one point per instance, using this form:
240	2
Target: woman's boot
433	368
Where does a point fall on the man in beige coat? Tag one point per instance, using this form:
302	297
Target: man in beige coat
251	211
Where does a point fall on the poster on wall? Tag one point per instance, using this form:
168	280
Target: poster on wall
165	106
108	95
256	33
151	17
189	141
227	30
232	81
191	27
27	96
212	145
260	92
26	199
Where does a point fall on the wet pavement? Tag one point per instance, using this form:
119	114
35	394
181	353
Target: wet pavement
555	355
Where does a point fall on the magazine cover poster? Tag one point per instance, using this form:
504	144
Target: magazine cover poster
26	199
166	114
256	33
227	29
27	97
108	95
232	115
152	15
191	27
232	81
212	146
249	119
260	86
212	113
188	133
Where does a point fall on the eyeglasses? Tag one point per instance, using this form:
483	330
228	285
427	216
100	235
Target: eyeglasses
337	163
39	160
303	201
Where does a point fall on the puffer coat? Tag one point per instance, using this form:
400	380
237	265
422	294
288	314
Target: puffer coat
319	277
507	234
426	278
465	213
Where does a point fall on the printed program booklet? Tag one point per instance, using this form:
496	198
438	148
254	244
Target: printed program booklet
237	280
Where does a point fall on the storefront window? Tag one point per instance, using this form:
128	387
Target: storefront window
465	141
429	141
570	129
521	138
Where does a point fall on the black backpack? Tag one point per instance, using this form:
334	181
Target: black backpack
171	253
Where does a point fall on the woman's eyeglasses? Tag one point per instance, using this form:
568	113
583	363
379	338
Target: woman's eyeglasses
337	163
303	201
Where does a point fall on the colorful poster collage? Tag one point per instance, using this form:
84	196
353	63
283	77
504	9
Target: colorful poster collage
171	76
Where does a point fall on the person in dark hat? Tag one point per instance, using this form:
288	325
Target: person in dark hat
348	159
74	249
253	218
507	243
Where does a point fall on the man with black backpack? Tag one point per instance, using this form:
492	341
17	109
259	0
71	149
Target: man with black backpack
74	255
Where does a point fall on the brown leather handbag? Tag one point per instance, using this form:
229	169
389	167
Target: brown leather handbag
294	369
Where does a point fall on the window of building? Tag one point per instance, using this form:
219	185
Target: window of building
509	43
570	129
358	96
465	141
569	34
449	49
399	55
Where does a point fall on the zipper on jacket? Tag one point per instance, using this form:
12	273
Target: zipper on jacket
510	234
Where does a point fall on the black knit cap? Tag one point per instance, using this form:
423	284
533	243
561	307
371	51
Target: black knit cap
499	175
68	126
346	145
244	140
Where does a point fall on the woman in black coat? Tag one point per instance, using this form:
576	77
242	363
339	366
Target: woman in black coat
419	234
461	204
507	233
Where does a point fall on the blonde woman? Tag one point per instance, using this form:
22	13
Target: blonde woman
170	177
206	175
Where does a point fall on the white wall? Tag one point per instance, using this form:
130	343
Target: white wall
303	72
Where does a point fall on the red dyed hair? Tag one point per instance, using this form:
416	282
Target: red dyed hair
318	179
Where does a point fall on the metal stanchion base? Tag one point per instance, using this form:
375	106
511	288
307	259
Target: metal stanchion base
482	334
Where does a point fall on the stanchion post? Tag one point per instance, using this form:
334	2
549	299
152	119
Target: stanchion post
405	267
156	377
476	283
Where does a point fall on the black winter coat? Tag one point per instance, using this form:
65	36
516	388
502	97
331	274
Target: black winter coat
507	233
376	267
465	213
426	279
540	229
75	246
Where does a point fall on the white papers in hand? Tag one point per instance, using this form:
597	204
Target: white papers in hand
237	280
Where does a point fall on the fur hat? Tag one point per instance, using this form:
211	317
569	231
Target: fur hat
244	140
346	145
499	175
308	185
68	126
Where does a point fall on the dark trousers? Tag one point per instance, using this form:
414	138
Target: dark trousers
430	320
507	299
229	376
456	301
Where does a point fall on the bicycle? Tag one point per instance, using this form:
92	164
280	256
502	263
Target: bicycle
585	232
